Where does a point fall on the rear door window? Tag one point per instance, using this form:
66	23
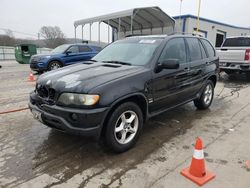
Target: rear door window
83	49
209	47
175	49
194	49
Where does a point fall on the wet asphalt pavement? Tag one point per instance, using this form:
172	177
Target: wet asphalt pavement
32	155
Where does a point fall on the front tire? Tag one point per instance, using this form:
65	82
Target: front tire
53	65
206	97
124	127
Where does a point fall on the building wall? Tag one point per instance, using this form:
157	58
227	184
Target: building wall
211	29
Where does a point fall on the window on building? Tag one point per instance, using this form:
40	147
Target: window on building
202	33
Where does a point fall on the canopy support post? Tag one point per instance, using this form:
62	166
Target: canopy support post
131	26
75	34
108	31
99	33
90	25
119	29
82	32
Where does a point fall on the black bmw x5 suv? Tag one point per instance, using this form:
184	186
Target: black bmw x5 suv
131	80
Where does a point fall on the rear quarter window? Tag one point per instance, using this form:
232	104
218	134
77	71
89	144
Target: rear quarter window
209	48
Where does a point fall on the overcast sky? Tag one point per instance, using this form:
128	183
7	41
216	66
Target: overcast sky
29	16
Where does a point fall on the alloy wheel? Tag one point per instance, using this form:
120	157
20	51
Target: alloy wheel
126	127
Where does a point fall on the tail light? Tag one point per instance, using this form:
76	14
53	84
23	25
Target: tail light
247	55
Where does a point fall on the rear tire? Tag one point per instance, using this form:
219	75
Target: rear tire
53	65
206	97
124	127
229	72
248	75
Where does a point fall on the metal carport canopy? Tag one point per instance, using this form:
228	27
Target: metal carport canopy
133	19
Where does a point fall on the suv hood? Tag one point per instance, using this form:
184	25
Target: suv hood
43	55
83	77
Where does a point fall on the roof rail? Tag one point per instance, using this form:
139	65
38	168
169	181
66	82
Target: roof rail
146	35
135	35
184	33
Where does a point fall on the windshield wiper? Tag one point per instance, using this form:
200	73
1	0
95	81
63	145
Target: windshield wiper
118	62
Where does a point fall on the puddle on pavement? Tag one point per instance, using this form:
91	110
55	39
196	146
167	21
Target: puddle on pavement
41	150
38	149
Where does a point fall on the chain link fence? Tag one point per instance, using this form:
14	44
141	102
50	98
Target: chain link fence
8	52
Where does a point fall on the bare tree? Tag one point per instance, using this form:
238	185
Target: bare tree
53	36
7	39
9	33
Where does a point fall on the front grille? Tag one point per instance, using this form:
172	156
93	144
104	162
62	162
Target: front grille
46	93
33	65
35	59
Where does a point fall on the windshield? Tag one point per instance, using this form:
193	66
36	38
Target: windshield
130	51
60	49
237	42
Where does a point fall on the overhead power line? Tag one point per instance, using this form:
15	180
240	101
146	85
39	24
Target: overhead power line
19	32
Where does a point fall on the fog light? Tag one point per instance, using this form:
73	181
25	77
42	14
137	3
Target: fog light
74	117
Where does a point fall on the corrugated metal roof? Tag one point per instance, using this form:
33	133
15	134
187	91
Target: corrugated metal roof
143	18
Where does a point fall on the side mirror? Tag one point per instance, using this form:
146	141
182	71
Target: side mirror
68	52
170	64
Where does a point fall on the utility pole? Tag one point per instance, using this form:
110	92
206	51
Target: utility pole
198	17
180	14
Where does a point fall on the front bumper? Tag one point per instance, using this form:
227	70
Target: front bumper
37	66
242	67
88	122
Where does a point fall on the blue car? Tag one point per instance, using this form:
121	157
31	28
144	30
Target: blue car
63	55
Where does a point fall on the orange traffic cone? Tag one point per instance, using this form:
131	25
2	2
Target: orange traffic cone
197	171
31	77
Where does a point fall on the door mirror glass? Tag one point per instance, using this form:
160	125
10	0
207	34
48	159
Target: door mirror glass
170	64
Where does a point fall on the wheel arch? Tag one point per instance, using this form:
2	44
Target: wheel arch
137	98
213	78
51	60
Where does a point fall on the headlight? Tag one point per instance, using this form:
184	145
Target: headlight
78	99
43	57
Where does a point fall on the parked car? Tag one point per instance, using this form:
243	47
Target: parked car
234	55
63	55
127	83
